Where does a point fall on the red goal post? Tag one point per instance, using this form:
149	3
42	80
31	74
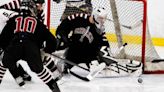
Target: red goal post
127	22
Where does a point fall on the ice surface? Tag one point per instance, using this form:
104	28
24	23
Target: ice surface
151	83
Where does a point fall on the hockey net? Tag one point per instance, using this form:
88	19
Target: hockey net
127	23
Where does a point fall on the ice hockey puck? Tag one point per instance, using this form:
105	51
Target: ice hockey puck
140	80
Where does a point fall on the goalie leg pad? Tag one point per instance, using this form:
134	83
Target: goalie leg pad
130	68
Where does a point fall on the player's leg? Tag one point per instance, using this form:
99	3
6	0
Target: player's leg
2	71
11	55
35	63
2	68
53	64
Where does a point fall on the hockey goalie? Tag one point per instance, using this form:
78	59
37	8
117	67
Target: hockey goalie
82	36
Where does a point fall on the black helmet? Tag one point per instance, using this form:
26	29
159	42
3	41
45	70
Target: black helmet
28	7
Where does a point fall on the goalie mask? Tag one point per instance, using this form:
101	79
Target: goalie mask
99	17
28	7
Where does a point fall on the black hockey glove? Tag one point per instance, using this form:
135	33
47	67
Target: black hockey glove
62	42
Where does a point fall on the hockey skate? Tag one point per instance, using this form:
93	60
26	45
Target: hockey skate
55	88
19	80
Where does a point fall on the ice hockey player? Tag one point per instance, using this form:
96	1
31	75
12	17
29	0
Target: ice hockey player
12	8
23	41
84	37
7	11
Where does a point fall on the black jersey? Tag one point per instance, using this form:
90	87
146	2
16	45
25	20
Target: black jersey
25	27
80	35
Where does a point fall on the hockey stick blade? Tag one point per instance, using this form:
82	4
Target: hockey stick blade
157	60
80	77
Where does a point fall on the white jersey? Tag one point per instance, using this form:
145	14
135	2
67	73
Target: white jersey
5	15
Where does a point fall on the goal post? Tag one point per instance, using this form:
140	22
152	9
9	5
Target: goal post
127	23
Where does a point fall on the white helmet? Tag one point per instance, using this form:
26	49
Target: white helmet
99	16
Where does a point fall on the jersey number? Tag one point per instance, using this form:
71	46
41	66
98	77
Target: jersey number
27	24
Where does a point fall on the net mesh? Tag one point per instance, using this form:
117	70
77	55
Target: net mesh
125	26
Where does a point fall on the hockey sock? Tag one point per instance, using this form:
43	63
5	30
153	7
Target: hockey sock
54	66
49	63
2	71
47	78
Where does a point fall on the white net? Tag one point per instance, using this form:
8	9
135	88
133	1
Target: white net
126	24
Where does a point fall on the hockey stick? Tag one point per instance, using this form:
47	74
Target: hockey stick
129	27
69	62
118	50
157	60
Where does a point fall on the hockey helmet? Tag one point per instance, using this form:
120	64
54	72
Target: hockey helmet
28	7
99	16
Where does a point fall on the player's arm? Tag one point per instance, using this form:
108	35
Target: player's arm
50	40
62	33
6	34
65	29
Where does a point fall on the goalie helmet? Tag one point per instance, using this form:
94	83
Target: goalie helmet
99	16
28	7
